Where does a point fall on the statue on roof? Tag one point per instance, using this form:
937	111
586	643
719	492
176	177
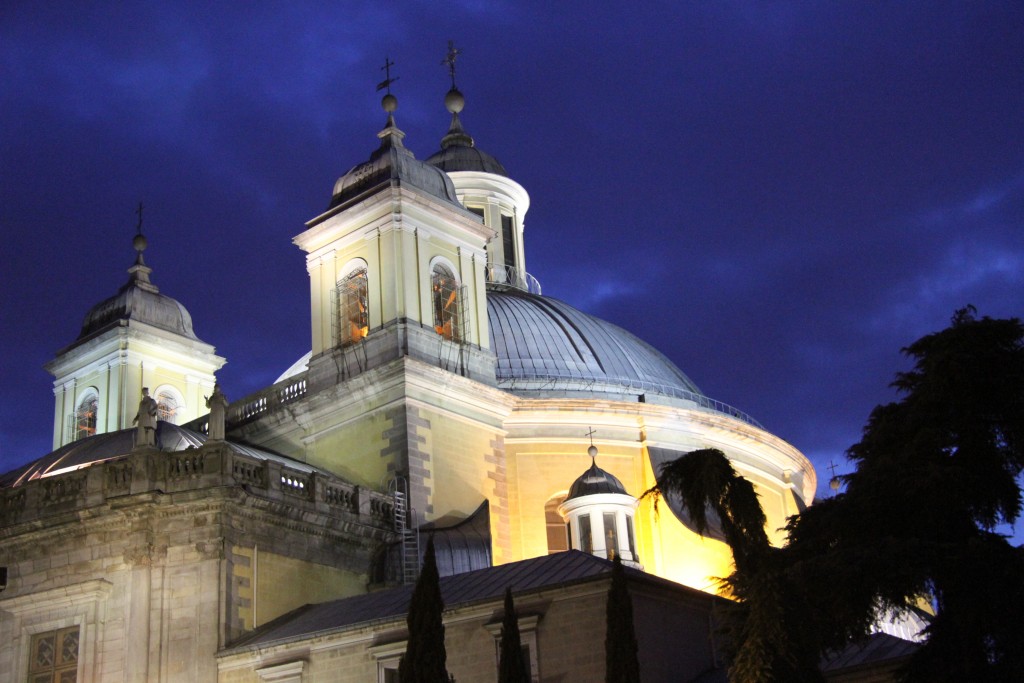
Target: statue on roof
145	434
217	402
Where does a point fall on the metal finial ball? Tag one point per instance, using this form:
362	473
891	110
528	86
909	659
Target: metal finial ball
390	103
834	483
454	101
592	451
139	243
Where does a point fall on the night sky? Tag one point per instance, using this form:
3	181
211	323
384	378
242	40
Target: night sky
779	196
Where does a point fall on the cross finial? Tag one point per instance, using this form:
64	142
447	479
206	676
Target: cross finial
138	212
590	434
386	83
449	60
834	482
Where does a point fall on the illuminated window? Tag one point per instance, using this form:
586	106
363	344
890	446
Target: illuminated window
170	404
166	407
445	293
352	308
54	657
558	538
611	535
85	415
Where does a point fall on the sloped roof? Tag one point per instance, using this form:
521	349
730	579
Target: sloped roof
874	650
113	445
559	569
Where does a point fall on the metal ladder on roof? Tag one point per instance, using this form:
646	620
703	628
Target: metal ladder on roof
409	538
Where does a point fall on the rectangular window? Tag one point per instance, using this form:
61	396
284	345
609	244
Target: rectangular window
54	657
629	537
508	241
611	536
586	543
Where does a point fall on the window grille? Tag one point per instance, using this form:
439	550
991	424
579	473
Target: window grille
54	657
85	416
167	407
447	300
351	308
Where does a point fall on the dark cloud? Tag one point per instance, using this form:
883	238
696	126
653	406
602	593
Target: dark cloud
779	197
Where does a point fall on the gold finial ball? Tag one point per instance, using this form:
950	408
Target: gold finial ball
454	101
139	243
390	103
592	451
833	483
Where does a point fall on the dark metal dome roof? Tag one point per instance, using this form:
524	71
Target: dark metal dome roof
141	304
546	345
595	481
393	163
466	158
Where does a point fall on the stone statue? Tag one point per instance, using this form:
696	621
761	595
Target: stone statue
218	404
146	419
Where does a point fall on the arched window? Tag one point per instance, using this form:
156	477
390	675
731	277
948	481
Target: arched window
85	414
353	320
445	293
558	530
169	404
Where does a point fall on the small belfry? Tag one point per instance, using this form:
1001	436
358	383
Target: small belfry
138	337
599	512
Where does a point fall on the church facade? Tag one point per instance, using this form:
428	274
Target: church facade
443	393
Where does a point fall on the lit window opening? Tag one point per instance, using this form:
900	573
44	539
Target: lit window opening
353	308
85	415
445	292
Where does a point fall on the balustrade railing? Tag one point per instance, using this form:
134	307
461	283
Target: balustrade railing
510	276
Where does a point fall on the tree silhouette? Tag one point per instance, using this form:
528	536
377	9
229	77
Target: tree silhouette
425	656
512	666
620	647
936	471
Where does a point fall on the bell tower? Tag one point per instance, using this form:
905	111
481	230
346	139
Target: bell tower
397	269
136	338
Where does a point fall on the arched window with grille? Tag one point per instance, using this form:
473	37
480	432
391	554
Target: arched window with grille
169	404
445	295
351	307
85	414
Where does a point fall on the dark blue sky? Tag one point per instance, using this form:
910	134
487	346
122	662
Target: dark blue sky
777	195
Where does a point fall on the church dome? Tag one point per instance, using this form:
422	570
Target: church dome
139	304
393	163
595	481
458	151
138	300
545	345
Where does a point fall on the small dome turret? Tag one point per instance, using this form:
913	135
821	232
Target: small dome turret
458	150
599	512
139	300
392	164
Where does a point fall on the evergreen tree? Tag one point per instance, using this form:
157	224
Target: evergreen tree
512	666
620	648
425	656
936	471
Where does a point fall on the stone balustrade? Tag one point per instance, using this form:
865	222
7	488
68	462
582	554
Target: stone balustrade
211	466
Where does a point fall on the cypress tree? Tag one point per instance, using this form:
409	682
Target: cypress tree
512	666
620	648
425	656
